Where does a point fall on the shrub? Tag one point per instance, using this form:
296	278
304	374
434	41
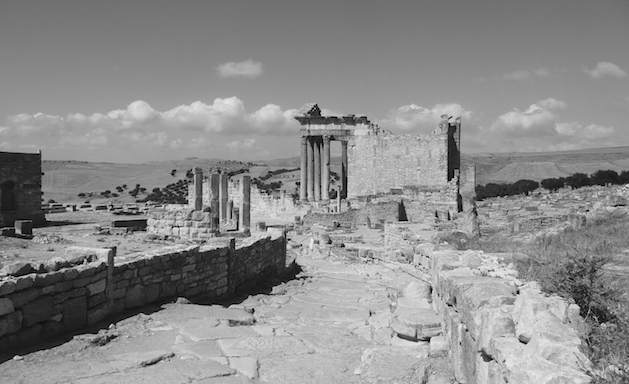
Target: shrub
572	265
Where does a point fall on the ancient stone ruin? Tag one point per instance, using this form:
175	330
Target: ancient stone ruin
425	170
20	188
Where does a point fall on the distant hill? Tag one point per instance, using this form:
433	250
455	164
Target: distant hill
513	166
64	180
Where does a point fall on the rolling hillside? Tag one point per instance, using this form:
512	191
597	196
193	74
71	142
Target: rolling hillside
64	180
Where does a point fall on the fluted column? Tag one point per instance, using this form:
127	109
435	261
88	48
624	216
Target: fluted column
310	167
198	189
317	169
325	172
303	186
344	169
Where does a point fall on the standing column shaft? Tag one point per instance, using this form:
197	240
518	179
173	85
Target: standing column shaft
310	168
245	203
198	189
303	183
222	196
344	169
230	210
325	174
214	202
317	169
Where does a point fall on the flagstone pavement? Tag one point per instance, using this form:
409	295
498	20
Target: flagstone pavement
329	325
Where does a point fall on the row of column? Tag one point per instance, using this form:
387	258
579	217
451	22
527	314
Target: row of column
315	169
221	207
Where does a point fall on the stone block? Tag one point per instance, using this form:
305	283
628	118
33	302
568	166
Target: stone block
45	279
492	322
10	323
97	314
23	227
134	297
419	324
417	290
6	306
151	293
97	287
80	255
7	287
70	274
37	311
18	268
22	297
51	329
94	300
74	313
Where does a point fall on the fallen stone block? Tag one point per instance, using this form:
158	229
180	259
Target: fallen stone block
416	324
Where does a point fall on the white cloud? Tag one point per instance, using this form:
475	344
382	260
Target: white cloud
247	68
414	117
538	118
539	128
521	74
246	144
605	68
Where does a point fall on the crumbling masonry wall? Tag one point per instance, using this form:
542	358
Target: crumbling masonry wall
20	192
379	163
40	306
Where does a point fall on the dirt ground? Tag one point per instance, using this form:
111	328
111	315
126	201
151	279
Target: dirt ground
73	229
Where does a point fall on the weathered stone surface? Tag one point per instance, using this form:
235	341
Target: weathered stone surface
233	315
18	268
382	364
97	314
419	324
6	287
263	346
6	306
23	297
248	366
97	287
37	311
80	255
134	297
10	323
74	313
493	322
417	290
24	282
532	309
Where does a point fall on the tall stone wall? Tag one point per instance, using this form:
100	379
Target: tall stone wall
379	163
20	192
39	306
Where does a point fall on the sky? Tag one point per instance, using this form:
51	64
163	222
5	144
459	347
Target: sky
143	80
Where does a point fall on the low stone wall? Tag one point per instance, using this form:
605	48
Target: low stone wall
39	306
498	329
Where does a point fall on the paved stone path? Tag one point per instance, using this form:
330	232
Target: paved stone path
330	325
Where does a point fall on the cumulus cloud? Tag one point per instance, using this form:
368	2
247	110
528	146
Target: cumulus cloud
521	74
236	146
539	128
605	68
415	117
247	68
197	127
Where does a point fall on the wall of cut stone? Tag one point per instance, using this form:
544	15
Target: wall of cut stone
23	169
498	329
379	163
184	223
39	306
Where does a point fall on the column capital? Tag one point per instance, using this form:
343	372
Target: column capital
304	140
326	139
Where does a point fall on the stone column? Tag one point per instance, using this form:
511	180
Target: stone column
325	172
310	167
303	186
230	210
344	169
198	189
317	169
214	203
222	196
245	204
